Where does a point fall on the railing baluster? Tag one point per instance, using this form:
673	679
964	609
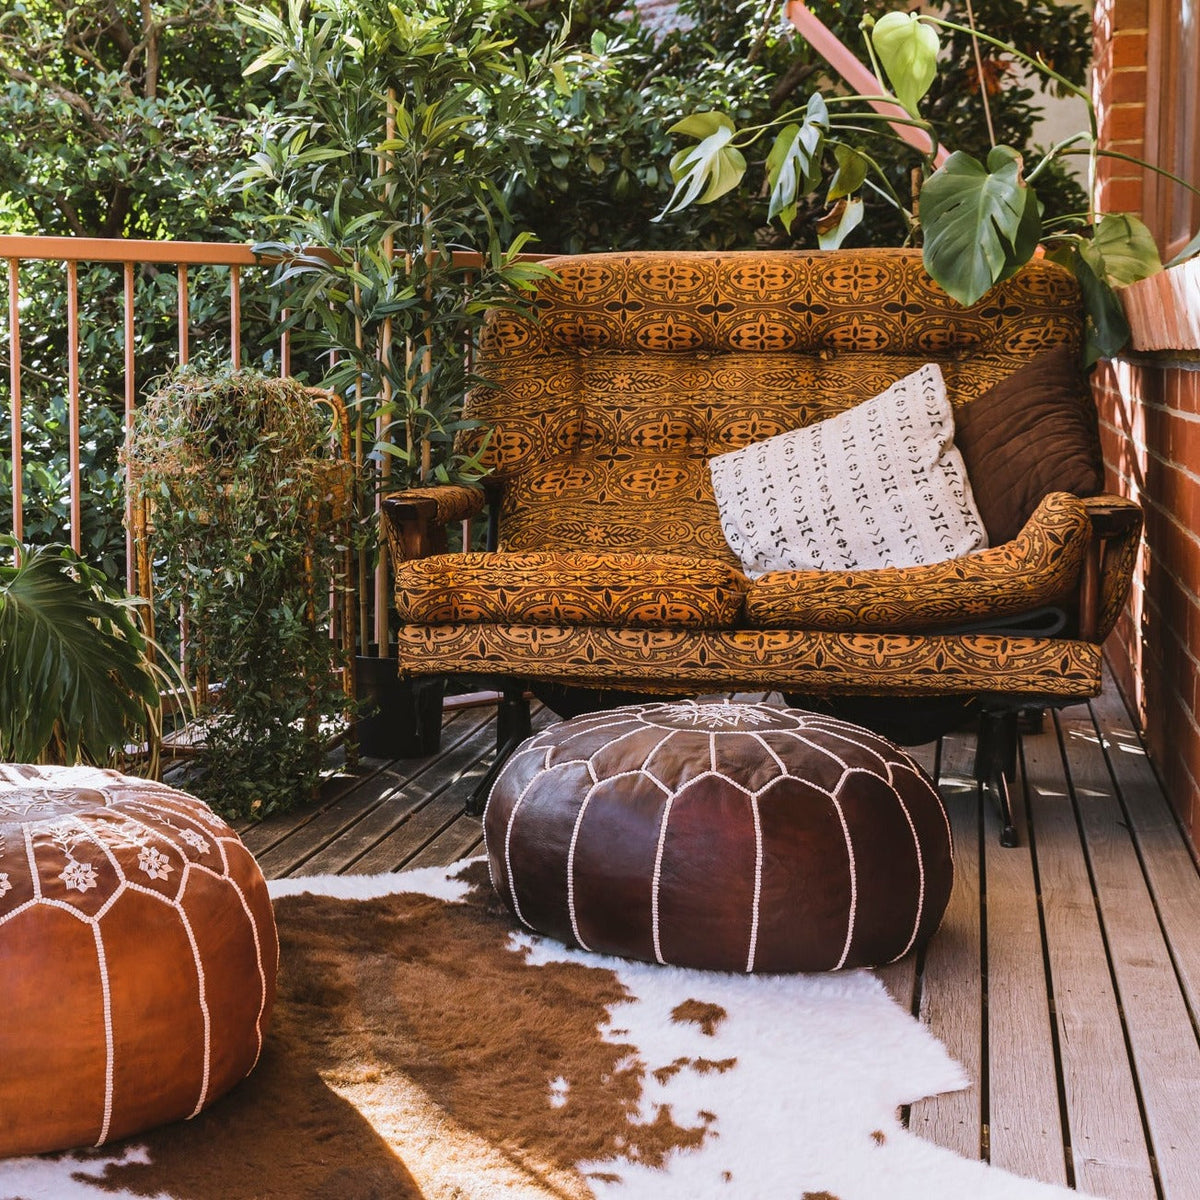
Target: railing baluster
386	416
235	317
131	573
184	314
364	597
285	348
14	375
75	481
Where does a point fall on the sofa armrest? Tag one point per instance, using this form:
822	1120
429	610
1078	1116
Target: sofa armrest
414	521
1041	566
1109	563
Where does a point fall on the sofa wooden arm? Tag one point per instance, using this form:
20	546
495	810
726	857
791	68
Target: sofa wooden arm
1109	563
414	521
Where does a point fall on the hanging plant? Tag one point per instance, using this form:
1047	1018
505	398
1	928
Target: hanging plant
242	499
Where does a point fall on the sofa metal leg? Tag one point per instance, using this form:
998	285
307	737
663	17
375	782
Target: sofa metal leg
996	764
513	726
512	715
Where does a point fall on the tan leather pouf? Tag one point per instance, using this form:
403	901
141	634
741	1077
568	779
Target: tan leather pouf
137	957
737	837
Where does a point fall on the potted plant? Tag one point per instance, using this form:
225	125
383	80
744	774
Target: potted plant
392	124
978	222
241	493
78	677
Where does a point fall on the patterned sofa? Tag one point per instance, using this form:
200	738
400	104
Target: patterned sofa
608	567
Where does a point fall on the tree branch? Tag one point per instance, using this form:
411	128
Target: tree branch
72	99
118	209
74	224
150	42
789	81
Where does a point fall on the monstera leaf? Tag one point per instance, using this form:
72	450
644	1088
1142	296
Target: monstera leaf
908	50
708	170
1120	251
980	223
839	221
794	164
850	175
1105	328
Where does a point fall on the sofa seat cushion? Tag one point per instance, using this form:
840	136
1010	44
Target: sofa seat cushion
1041	566
649	591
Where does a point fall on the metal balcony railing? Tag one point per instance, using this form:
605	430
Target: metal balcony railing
37	264
72	254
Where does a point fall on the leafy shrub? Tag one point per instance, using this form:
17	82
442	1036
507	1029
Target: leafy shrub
77	676
245	504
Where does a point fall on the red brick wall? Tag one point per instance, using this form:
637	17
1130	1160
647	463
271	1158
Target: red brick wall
1119	92
1150	426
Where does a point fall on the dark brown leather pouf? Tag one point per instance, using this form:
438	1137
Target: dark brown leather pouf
137	953
737	837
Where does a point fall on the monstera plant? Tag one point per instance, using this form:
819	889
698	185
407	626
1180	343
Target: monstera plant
78	679
978	222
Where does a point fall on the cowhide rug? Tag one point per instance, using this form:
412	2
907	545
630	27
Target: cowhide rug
424	1047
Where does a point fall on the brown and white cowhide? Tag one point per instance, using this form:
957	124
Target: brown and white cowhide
425	1048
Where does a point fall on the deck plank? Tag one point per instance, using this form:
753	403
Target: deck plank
423	823
390	810
1166	857
951	993
264	835
1161	1036
461	839
1107	1143
901	978
1024	1125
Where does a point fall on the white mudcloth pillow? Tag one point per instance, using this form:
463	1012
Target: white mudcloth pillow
879	485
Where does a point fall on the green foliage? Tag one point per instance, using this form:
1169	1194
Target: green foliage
979	221
77	681
115	121
44	412
245	502
598	181
391	128
908	52
594	180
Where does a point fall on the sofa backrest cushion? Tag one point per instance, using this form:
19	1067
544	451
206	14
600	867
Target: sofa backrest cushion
673	357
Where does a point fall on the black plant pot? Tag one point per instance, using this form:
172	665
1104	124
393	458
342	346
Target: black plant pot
397	718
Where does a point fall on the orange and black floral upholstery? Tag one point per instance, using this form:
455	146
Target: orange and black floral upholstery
609	568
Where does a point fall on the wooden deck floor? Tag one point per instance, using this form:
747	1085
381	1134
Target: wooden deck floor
1065	977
